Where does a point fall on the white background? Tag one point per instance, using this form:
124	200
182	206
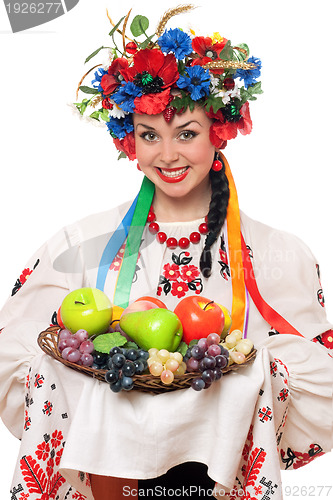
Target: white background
56	169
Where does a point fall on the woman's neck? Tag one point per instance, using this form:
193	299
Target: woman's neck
186	208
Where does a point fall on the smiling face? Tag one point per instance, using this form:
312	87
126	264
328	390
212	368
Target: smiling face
176	156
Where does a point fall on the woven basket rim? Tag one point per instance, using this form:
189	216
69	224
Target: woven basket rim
47	341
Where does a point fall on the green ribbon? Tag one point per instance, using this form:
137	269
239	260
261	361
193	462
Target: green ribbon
127	270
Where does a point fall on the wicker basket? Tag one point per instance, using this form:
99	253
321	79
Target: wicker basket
48	342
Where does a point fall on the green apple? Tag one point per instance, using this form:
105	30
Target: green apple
159	328
86	308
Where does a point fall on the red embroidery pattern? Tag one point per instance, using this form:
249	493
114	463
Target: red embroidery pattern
252	462
325	339
23	277
225	269
320	293
295	459
48	408
180	277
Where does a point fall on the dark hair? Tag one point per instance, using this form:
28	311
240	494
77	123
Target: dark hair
216	215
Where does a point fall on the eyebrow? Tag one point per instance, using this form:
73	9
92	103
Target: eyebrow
148	127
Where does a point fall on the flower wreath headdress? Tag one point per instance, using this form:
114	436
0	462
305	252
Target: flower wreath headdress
168	72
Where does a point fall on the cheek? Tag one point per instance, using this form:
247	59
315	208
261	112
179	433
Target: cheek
202	152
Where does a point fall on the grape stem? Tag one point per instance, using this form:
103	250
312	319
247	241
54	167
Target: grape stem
208	304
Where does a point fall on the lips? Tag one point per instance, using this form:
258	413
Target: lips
172	175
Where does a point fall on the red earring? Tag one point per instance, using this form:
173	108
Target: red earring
138	167
217	164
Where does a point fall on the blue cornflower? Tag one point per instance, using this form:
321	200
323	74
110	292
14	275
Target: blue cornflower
176	41
98	77
119	127
125	96
197	82
249	76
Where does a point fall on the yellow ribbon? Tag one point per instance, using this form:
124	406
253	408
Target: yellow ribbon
235	254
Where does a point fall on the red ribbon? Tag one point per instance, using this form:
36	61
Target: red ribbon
269	314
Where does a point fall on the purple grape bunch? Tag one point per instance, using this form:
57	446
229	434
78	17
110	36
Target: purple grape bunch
122	364
76	347
208	358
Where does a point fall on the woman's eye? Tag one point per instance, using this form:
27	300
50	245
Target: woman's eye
149	136
186	135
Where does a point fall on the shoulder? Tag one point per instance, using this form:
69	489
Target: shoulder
273	245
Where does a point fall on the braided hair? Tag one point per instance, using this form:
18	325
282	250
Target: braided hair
216	215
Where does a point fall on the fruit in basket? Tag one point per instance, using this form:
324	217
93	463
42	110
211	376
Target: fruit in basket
199	317
166	365
86	308
208	358
159	328
227	320
123	364
154	300
142	305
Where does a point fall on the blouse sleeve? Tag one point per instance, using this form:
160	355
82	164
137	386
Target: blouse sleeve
308	428
30	309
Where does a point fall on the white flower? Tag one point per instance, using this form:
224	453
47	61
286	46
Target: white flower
107	60
235	92
214	82
225	96
116	111
84	118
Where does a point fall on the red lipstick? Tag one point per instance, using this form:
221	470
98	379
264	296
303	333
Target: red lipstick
174	178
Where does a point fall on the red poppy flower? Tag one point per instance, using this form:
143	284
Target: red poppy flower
224	131
208	51
154	63
245	123
154	73
171	272
152	104
126	145
179	289
114	76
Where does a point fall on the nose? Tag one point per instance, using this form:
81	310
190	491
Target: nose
169	153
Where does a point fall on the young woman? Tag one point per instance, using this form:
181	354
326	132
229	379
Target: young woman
172	105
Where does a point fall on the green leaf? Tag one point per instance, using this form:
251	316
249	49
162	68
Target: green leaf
88	90
105	342
250	93
94	54
239	56
114	29
144	44
131	345
227	52
122	155
193	342
182	348
95	115
139	25
214	102
104	115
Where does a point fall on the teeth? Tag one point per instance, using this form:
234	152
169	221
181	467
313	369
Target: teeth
174	173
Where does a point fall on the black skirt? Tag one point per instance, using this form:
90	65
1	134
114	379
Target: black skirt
188	480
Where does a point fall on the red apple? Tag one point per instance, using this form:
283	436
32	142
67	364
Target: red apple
199	317
154	300
59	320
142	305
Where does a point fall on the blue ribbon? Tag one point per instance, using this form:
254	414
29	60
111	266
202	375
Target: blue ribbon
113	245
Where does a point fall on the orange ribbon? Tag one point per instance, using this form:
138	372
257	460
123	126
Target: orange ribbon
235	254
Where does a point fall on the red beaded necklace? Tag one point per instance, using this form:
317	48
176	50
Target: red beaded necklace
172	243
